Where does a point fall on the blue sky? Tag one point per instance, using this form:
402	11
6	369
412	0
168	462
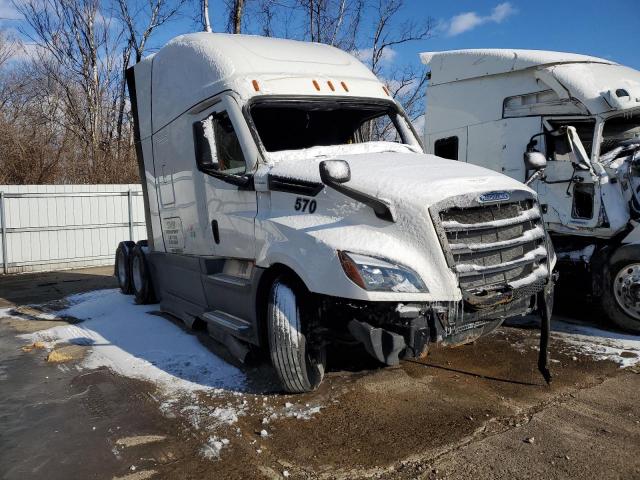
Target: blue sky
606	29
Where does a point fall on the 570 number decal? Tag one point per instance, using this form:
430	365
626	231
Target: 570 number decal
305	205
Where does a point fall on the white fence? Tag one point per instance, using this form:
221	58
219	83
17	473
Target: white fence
56	227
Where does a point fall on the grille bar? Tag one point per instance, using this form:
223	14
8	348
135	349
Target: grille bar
469	269
524	216
528	236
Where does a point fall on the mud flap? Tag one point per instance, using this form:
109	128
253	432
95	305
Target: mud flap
545	306
381	344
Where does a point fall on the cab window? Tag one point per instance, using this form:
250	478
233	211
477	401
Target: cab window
556	148
217	145
446	148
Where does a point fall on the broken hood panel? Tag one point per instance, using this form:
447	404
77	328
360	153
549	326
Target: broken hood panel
405	177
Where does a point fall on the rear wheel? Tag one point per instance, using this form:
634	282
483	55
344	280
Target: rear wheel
141	276
122	269
299	364
621	294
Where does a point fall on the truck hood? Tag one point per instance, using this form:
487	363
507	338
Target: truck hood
399	178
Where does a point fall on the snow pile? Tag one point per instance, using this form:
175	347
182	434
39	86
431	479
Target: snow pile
132	342
290	410
621	348
211	449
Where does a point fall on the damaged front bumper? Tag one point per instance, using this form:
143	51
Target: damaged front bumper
391	332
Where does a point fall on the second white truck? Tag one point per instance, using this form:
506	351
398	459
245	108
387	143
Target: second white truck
569	126
289	206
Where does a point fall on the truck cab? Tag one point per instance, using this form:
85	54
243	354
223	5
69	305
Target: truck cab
290	205
580	117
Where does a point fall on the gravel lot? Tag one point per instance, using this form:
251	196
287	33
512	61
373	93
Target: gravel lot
94	398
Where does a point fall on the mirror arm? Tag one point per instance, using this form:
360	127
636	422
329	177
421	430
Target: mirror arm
534	176
380	208
532	143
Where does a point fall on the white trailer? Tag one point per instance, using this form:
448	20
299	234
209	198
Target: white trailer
290	205
489	107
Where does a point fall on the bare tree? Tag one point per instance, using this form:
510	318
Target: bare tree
334	22
77	55
206	23
7	47
235	16
64	116
141	19
388	34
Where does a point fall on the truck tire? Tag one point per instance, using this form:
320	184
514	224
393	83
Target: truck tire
299	367
141	276
122	268
621	292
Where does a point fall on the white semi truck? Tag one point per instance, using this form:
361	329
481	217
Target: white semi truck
575	120
289	205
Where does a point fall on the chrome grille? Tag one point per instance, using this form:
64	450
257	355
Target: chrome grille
493	246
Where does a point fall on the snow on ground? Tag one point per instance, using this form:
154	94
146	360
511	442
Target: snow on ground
585	339
598	343
134	342
126	338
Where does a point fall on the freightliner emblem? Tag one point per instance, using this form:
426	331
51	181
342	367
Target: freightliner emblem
494	197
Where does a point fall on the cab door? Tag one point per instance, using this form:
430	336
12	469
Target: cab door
571	194
225	155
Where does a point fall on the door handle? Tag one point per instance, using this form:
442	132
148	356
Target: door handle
216	232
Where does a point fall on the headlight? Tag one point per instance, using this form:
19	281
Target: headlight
375	274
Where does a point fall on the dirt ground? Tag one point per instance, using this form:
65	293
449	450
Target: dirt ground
480	411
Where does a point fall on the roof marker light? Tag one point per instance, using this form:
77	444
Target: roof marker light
316	84
333	89
386	90
344	85
256	87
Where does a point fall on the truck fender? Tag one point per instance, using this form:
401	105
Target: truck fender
291	263
633	237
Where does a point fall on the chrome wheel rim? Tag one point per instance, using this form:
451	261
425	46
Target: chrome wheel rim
626	289
136	273
122	272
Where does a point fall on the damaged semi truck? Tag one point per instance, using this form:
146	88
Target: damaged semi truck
290	205
569	126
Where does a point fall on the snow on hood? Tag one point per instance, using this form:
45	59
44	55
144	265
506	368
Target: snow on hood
335	151
395	172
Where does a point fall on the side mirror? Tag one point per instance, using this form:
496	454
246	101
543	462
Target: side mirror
533	159
334	171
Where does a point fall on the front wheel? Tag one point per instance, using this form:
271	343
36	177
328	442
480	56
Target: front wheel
621	294
299	364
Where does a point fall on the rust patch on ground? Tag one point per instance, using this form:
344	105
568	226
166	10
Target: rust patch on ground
66	353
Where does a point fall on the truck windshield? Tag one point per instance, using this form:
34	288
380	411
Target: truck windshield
295	125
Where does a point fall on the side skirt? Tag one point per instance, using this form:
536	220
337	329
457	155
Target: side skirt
221	292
